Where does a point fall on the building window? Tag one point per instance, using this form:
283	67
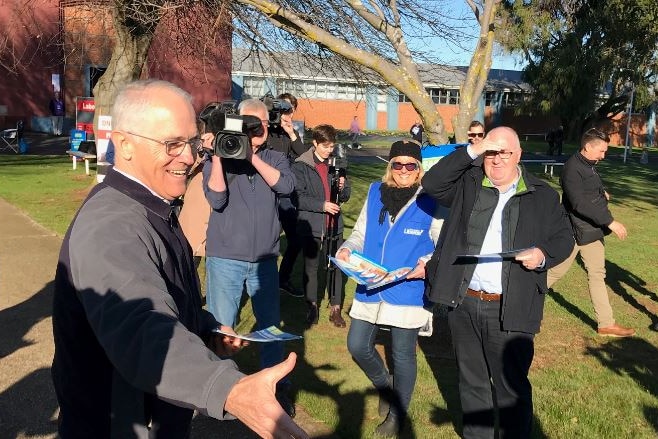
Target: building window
306	89
490	98
444	96
253	88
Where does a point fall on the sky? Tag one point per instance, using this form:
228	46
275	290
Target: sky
460	55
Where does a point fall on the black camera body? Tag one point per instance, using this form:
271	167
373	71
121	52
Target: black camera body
275	108
337	168
231	131
338	160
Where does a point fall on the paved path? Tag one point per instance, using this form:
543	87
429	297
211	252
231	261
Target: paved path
28	407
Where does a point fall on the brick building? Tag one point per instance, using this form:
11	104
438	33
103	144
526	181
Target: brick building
67	45
326	97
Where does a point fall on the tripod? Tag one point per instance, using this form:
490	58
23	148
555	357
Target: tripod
332	237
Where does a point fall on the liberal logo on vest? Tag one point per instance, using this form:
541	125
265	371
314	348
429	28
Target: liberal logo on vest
416	232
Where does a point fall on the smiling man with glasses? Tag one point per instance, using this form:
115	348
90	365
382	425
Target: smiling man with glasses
586	201
135	352
496	302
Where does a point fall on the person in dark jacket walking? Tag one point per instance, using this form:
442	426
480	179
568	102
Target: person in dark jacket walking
496	301
586	201
320	223
135	354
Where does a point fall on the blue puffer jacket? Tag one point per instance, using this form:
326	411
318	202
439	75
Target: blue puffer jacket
398	245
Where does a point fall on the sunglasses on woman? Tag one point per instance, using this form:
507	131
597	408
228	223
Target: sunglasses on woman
410	166
481	135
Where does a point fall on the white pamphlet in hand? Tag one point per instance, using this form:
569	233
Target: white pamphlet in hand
509	254
269	334
369	273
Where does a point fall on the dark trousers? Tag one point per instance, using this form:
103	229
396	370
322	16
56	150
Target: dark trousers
315	261
288	218
493	371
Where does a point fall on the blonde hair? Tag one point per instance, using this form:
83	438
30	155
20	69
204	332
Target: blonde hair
387	179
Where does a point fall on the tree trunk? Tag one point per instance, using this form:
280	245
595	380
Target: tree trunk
126	64
470	92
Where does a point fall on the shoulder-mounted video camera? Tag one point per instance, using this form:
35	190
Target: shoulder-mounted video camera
275	108
230	129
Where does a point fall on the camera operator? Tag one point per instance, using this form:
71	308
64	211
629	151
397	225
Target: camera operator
242	243
283	138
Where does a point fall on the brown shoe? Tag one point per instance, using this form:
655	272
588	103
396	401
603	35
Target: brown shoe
616	331
336	318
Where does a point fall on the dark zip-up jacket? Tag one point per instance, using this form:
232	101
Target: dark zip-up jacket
278	140
583	197
311	218
128	322
532	217
244	222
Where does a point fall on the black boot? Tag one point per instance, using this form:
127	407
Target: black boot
313	314
391	427
386	396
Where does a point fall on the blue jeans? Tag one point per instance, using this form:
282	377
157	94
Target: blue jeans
225	280
361	344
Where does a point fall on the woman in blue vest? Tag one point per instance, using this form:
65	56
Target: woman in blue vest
398	227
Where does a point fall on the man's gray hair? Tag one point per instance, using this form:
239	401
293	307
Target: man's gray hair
251	105
135	98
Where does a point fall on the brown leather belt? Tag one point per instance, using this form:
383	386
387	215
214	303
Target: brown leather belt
483	295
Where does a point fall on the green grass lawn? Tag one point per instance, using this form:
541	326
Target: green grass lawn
584	386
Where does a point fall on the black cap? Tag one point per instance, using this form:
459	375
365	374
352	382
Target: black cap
407	148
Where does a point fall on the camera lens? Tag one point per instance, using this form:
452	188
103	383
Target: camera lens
230	146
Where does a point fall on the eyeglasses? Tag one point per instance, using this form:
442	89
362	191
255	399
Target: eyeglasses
502	154
174	148
481	135
410	166
595	132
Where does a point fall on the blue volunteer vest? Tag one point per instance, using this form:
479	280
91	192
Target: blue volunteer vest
399	245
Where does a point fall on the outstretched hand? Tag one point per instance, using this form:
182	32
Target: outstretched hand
252	400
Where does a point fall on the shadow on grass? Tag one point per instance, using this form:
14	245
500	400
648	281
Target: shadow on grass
439	354
23	412
32	160
636	358
617	277
573	309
